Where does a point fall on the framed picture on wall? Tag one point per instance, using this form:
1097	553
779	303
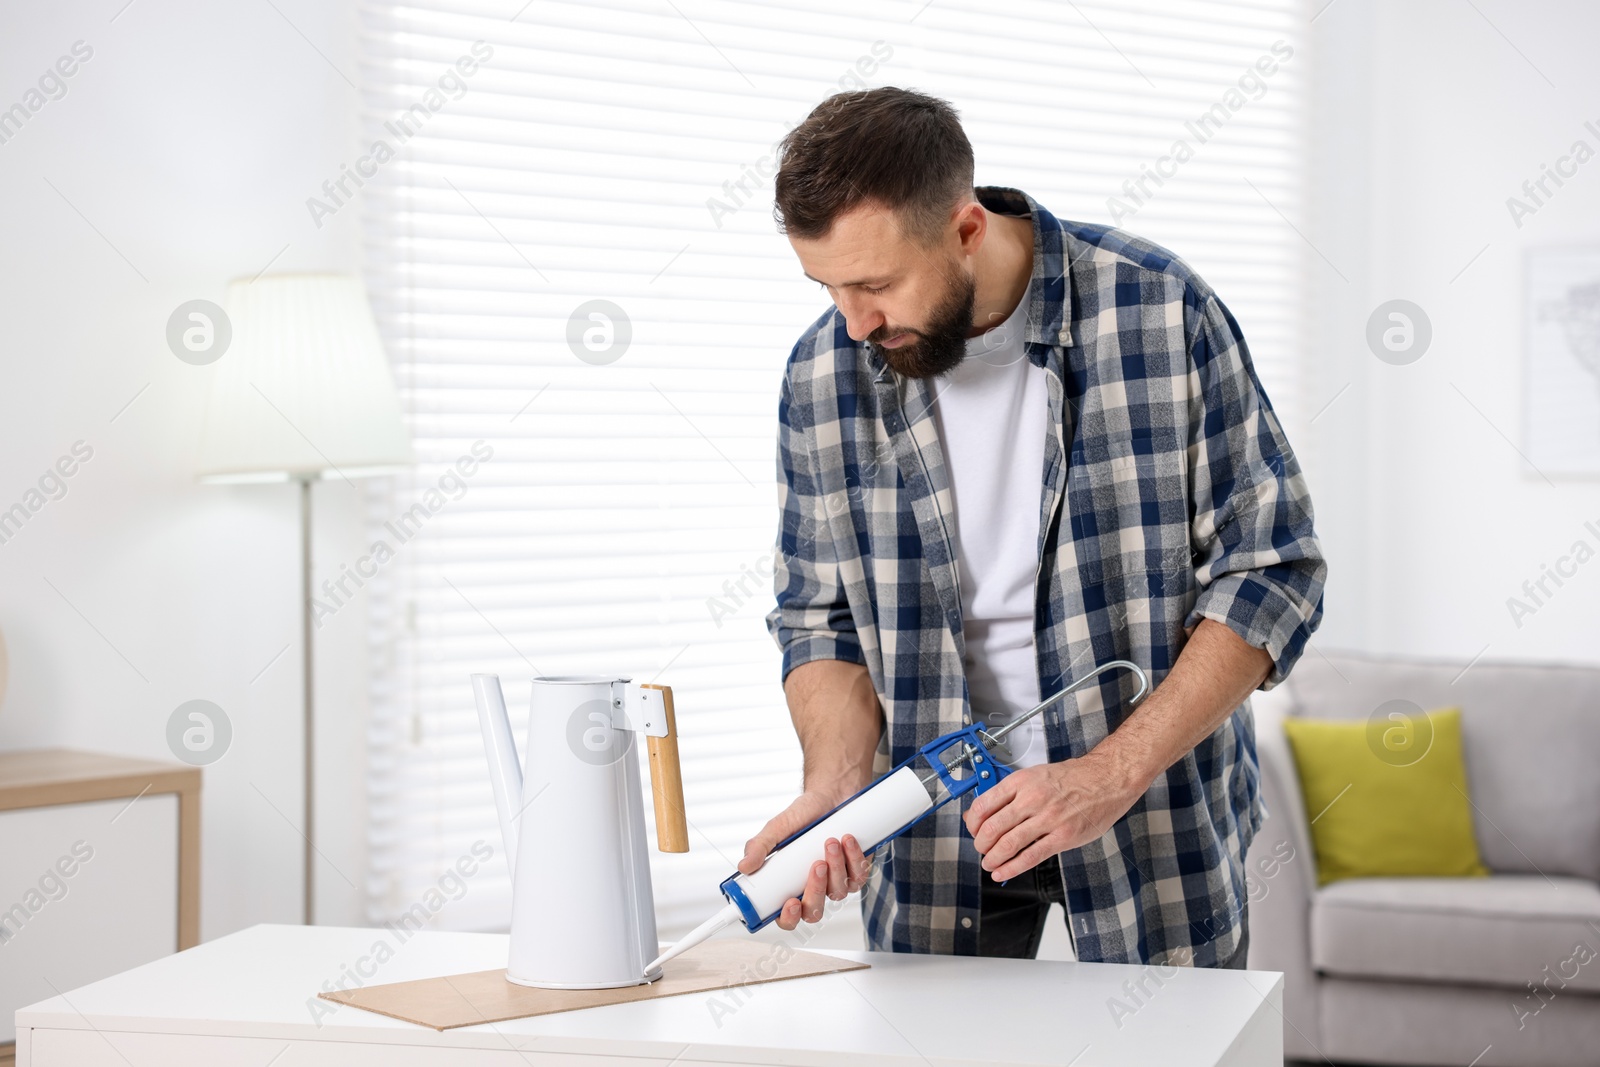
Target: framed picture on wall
1561	424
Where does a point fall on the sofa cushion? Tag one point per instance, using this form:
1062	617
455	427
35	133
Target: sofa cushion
1504	930
1379	814
1530	738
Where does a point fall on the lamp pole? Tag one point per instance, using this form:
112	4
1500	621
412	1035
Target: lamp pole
308	726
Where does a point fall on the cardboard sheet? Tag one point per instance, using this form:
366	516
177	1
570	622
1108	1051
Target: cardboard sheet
486	996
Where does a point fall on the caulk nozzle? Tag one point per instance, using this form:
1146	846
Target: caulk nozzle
728	915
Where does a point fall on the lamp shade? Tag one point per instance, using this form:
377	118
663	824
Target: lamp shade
305	386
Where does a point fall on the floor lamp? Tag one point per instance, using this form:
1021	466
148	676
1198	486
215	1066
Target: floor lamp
304	392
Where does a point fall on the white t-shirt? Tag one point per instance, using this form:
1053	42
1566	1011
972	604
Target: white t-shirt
992	413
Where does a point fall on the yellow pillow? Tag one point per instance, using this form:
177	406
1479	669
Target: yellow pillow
1387	796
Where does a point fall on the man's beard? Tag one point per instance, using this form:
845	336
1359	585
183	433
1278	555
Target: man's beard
943	344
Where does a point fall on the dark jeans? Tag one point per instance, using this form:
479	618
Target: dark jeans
1013	915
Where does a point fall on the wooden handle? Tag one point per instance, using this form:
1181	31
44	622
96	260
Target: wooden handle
666	782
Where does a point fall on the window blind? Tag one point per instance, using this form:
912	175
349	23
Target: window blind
566	210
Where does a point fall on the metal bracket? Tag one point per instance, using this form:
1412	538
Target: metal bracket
637	708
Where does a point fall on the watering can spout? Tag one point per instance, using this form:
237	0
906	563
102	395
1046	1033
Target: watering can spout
505	770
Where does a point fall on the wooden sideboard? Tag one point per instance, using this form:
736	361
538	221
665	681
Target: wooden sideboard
99	870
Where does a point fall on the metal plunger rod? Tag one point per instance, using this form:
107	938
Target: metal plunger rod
1000	734
1144	687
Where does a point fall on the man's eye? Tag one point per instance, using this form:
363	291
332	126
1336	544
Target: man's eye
876	291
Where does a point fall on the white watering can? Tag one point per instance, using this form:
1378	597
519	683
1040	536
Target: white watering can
582	912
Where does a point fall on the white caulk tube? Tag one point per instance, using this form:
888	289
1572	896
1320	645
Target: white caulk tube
870	817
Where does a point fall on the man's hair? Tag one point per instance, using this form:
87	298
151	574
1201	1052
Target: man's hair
895	147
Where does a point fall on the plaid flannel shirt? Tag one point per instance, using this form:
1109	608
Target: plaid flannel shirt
1168	494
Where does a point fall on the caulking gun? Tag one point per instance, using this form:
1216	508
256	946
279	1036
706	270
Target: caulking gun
879	813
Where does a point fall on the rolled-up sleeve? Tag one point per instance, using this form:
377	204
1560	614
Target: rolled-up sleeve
811	619
1258	562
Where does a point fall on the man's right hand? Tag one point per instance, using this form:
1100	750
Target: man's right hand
843	871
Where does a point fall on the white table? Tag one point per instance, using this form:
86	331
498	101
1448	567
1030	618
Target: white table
247	1000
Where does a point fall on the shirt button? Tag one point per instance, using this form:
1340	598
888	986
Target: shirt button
966	921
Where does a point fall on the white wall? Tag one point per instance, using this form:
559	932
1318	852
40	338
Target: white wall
190	141
1428	118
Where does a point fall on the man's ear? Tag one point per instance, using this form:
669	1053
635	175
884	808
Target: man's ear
972	225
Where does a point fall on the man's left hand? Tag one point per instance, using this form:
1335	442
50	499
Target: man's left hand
1038	811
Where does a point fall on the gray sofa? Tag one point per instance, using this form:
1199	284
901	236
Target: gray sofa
1494	971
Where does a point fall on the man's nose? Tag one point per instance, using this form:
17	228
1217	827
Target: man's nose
859	320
